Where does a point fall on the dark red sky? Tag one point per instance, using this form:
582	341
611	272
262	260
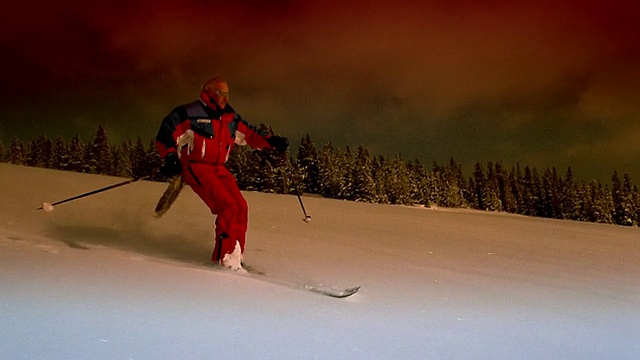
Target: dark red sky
543	83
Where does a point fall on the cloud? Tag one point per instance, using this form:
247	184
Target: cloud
505	79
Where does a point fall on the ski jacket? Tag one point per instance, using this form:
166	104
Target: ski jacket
200	134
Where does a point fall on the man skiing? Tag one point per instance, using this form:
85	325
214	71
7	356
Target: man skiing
195	141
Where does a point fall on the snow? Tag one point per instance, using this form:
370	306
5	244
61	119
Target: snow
100	278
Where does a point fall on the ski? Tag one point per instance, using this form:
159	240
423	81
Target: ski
252	273
169	196
340	294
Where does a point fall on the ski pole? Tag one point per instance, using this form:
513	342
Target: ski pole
307	217
48	207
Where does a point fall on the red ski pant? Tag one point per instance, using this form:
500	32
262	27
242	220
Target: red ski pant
217	187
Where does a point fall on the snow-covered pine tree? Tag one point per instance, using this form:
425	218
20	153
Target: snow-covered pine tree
570	200
492	190
505	192
600	209
288	177
76	154
60	156
253	172
330	172
529	191
480	187
629	195
268	184
307	159
363	184
623	207
16	151
98	155
636	202
418	181
515	183
154	161
399	185
122	159
453	185
550	204
380	170
39	151
347	169
139	166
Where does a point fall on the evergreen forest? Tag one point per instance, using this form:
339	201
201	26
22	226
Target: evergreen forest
356	175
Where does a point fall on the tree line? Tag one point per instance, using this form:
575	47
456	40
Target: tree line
346	174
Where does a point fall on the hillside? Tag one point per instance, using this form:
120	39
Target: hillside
100	278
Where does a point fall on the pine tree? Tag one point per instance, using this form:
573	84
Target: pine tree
269	182
266	170
308	162
381	179
549	197
17	153
600	208
539	192
347	169
505	193
122	160
399	183
530	193
76	154
330	172
454	186
289	177
139	166
238	165
419	184
436	186
472	196
628	190
60	154
570	200
623	207
492	190
636	203
154	161
363	185
39	152
515	182
480	187
252	172
98	155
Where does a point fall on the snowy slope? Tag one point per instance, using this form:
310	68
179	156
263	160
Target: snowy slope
100	278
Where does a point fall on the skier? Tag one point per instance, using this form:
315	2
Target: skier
195	141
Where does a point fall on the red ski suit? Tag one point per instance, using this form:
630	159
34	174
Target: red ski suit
203	138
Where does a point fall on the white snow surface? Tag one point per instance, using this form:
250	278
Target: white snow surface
100	278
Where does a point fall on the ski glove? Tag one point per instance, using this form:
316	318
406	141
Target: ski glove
171	166
279	143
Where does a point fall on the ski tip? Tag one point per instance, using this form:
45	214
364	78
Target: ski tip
346	293
339	294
